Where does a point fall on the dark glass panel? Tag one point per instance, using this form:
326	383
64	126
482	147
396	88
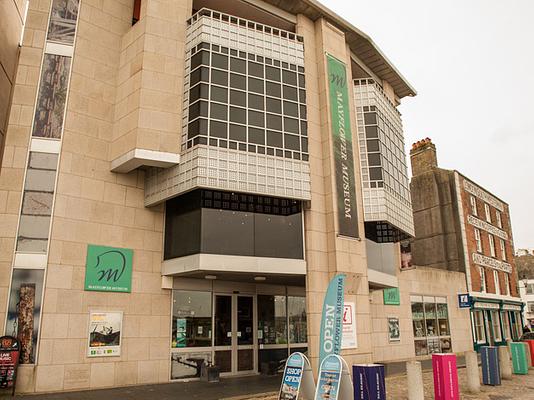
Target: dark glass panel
274	139
375	174
273	89
291	125
219	94
255	69
255	101
373	159
201	58
256	118
290	93
238	65
289	77
371	131
291	109
198	92
219	77
372	145
218	129
238	81
274	122
238	115
198	109
182	226
219	111
272	73
200	74
278	236
256	136
219	61
238	98
291	142
274	105
255	85
369	118
239	133
227	232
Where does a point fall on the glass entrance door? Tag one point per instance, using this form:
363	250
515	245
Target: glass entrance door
234	339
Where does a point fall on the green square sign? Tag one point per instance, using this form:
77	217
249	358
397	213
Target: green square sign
108	269
392	296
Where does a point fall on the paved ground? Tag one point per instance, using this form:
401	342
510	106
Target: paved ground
521	387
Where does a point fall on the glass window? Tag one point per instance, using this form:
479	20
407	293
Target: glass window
255	85
24	311
507	284
219	77
238	132
198	109
63	21
238	98
256	136
478	240
496	281
191	319
443	319
483	286
492	245
219	61
473	202
219	94
274	122
289	77
496	325
199	91
530	288
502	245
272	319
418	318
274	105
238	115
291	109
238	81
218	129
291	125
198	75
274	139
238	65
273	89
255	69
505	324
292	142
372	145
297	319
219	111
498	218
200	58
255	101
430	319
272	73
479	326
290	93
256	118
487	212
370	118
50	109
421	347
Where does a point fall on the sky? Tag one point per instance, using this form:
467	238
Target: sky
472	65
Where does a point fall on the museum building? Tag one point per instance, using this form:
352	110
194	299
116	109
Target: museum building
181	179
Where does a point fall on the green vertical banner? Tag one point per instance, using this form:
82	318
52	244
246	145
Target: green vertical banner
342	141
332	318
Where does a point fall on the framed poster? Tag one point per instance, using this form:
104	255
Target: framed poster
108	269
105	334
9	362
393	329
350	340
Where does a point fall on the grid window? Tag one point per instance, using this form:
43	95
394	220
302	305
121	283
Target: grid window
263	99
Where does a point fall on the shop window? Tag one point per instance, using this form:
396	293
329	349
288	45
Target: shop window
297	320
505	324
50	108
530	288
431	325
496	325
191	319
507	284
480	333
473	202
34	224
63	21
24	311
272	320
188	365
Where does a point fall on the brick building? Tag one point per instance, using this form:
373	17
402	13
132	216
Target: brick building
460	226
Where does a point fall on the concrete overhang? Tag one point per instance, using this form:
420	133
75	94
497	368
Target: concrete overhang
381	280
359	42
237	268
144	158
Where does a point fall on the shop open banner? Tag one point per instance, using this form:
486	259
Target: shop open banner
342	142
332	318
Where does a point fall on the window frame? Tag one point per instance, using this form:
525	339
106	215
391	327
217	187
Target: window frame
496	282
478	240
487	212
491	239
502	245
473	202
483	286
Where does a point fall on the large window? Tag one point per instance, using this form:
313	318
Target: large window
492	245
473	202
34	225
487	212
496	325
505	324
506	284
431	325
478	240
503	249
51	100
191	319
243	101
25	310
214	222
297	320
272	319
497	282
63	21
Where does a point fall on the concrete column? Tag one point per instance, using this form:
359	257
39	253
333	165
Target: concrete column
473	375
416	389
505	364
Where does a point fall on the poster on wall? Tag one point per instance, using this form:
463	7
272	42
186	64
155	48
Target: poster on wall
108	269
349	340
105	329
342	142
9	361
393	329
181	332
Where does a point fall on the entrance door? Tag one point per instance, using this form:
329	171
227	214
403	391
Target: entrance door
234	342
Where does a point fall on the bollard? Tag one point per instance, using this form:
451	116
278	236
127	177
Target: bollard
473	375
504	362
415	381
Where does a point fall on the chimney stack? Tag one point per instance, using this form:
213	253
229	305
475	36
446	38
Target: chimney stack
423	156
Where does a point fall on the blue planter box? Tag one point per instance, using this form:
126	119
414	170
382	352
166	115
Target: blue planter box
491	374
369	382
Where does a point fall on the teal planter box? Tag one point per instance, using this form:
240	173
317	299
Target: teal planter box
519	358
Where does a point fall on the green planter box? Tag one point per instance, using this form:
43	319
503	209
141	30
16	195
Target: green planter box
519	358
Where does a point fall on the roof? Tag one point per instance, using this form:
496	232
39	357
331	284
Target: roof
360	44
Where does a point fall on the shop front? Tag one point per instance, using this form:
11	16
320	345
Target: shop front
494	322
242	328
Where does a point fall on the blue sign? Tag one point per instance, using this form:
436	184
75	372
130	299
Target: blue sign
329	378
332	319
292	377
464	301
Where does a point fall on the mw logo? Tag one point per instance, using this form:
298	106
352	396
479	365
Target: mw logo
339	80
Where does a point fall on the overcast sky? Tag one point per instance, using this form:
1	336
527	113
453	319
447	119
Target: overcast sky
472	64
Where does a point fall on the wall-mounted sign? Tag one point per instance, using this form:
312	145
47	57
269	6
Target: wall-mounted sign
481	194
393	329
478	223
350	340
108	269
463	300
9	361
105	334
332	318
392	296
489	262
347	214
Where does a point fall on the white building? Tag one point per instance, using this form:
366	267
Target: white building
526	291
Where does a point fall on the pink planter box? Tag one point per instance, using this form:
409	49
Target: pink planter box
445	377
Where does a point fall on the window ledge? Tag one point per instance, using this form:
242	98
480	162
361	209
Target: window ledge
141	157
